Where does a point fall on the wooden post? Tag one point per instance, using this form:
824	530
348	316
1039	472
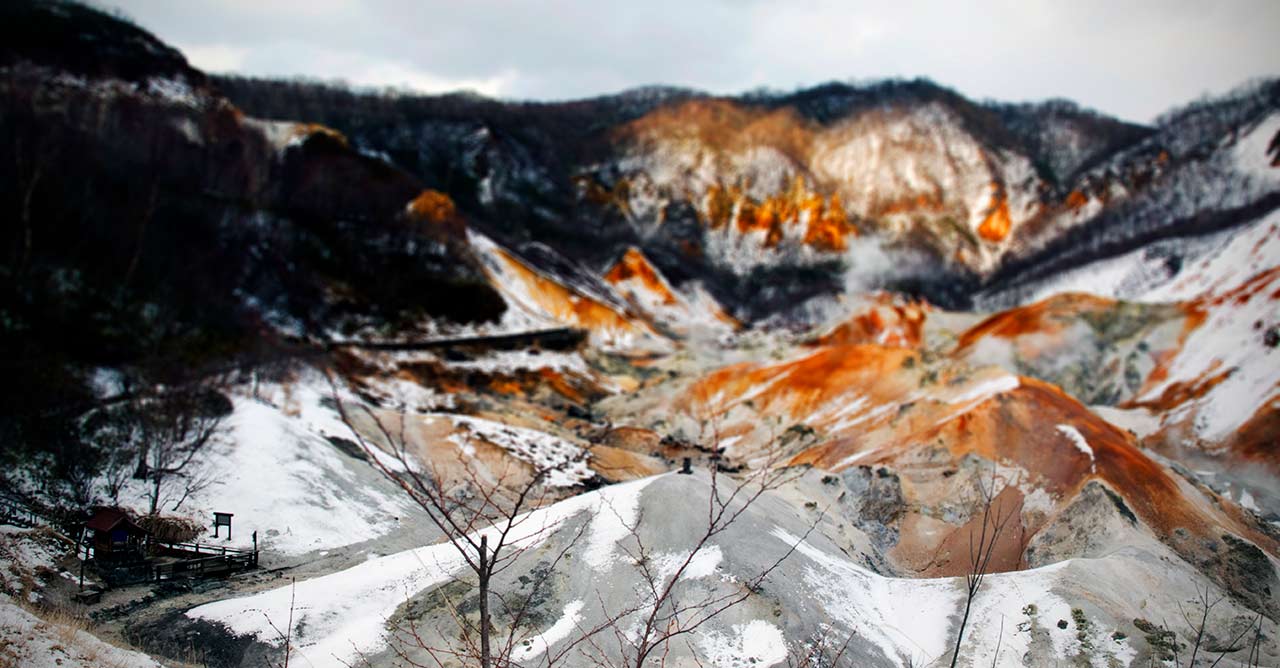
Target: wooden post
255	548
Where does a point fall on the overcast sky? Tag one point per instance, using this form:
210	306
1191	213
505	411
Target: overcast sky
1130	58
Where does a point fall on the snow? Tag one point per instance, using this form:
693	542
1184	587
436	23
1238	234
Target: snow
612	523
341	615
757	644
1210	263
1077	439
1037	500
1241	253
898	615
986	389
566	463
855	420
526	312
506	361
1228	341
1250	152
1140	421
28	641
911	620
173	91
278	474
106	382
690	311
24	554
538	645
701	565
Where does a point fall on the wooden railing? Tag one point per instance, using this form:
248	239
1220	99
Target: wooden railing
12	512
183	549
205	566
194	560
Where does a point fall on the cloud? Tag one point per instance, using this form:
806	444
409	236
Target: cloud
215	57
398	75
1134	59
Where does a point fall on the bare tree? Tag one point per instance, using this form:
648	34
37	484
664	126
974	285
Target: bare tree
485	520
1230	648
1196	617
823	650
482	518
286	636
116	472
994	520
1204	604
30	180
177	428
668	610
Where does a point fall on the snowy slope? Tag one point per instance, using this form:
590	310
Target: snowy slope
276	471
27	641
819	589
346	612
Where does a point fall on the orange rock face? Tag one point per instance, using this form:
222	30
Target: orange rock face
997	224
1045	316
565	304
634	265
827	226
798	387
887	321
433	206
1019	428
723	127
308	129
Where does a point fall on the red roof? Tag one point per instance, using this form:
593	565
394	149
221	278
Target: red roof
106	519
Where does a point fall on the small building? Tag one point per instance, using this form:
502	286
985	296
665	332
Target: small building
112	535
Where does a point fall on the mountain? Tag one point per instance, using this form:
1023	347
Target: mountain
812	189
889	332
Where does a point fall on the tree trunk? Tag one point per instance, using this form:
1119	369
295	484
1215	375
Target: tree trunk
142	471
955	655
484	602
155	493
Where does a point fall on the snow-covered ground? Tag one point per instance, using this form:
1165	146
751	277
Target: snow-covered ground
1211	263
565	462
340	615
276	471
26	641
27	557
892	621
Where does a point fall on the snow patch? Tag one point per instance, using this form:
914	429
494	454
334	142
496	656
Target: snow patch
613	521
539	644
507	361
986	389
1079	441
756	644
565	462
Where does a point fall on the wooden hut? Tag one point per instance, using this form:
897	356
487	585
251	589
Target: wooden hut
113	535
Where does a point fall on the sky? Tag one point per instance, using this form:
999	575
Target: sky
1130	58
